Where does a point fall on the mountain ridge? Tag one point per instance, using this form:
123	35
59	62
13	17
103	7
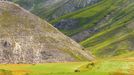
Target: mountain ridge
25	38
102	28
52	9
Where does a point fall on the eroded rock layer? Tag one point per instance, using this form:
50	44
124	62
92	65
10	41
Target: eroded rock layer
25	38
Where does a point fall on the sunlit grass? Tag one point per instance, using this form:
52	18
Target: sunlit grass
107	66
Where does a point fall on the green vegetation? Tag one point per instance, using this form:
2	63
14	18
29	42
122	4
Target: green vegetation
51	9
5	72
113	40
112	66
112	24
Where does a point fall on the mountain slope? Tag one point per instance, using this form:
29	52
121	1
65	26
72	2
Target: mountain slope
51	9
105	28
25	38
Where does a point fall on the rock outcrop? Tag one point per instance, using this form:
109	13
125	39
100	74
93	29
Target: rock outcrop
25	38
52	9
67	24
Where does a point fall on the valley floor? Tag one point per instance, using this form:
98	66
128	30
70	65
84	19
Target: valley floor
118	66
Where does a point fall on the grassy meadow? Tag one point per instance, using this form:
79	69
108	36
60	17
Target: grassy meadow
111	42
109	66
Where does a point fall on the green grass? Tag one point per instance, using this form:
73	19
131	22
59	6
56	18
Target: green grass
46	68
90	15
112	21
112	66
120	65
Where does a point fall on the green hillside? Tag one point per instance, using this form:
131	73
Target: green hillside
51	9
109	23
32	46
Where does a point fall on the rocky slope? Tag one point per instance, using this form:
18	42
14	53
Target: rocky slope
105	28
25	38
51	9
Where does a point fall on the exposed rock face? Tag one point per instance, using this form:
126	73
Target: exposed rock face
25	38
67	24
32	4
51	9
70	24
70	6
83	35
